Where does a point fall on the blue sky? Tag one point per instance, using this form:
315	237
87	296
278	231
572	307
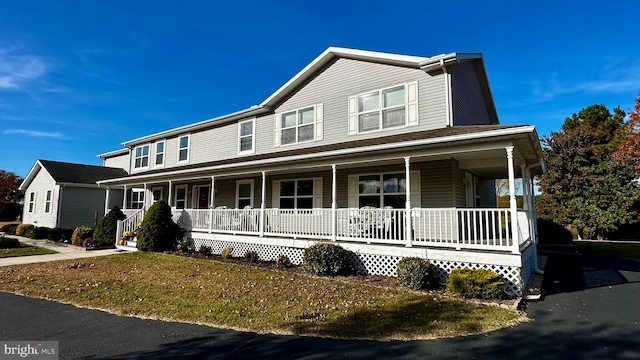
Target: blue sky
77	78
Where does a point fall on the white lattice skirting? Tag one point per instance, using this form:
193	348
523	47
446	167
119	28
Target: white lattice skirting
381	260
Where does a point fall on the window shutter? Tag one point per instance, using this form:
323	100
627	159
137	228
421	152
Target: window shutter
412	104
319	124
276	132
275	194
353	192
352	115
415	189
317	193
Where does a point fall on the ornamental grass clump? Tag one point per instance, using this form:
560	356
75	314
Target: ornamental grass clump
479	284
417	273
327	259
22	229
158	232
283	262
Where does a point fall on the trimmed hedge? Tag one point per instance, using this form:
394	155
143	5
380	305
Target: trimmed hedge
60	234
479	283
417	273
9	229
8	243
158	231
326	259
22	228
80	234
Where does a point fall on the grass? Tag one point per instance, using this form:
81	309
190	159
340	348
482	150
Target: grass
608	249
24	250
226	295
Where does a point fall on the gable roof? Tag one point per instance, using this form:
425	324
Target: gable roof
72	173
428	64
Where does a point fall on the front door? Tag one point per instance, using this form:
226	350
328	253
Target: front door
201	197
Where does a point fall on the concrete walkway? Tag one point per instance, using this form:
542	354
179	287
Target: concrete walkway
63	253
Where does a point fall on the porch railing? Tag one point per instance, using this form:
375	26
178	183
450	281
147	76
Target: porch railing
130	223
371	225
309	223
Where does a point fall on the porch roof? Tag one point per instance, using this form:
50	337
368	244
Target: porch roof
523	136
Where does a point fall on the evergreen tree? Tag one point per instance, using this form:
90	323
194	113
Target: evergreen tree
106	228
158	231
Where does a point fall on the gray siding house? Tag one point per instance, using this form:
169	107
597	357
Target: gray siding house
61	194
389	155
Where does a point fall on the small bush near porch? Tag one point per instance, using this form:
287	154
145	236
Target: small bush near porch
249	298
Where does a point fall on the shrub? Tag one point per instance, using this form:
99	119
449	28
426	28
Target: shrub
81	233
158	232
417	273
327	259
551	233
37	233
7	243
90	243
185	245
9	229
59	234
227	252
205	250
479	283
106	228
283	262
10	211
22	228
251	256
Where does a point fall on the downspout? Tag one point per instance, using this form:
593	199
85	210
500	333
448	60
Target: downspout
536	267
447	93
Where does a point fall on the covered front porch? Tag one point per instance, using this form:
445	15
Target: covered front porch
424	201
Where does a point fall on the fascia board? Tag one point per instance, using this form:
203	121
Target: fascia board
452	138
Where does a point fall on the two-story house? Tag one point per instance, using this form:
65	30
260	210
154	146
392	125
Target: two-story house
389	155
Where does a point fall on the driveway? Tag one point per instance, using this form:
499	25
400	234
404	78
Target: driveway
591	311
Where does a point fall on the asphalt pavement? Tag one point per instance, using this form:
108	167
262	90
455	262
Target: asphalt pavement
591	311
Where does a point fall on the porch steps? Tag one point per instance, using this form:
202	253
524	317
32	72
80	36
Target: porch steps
129	245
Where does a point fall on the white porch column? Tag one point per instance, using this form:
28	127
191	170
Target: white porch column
106	202
263	197
407	189
525	187
513	206
169	199
124	198
334	204
145	203
212	199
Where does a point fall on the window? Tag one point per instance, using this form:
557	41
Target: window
137	198
381	109
47	201
244	193
159	154
246	139
141	157
296	194
297	126
32	202
380	190
181	197
157	194
183	149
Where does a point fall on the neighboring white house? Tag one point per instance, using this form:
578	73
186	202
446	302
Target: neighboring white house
61	194
389	155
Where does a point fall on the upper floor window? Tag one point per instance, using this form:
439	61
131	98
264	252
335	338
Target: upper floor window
299	125
159	161
183	149
383	109
141	157
47	201
32	202
246	138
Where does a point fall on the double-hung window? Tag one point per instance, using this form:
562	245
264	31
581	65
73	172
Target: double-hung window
246	138
299	126
380	190
183	148
159	161
296	194
244	193
386	108
32	202
141	157
137	198
47	201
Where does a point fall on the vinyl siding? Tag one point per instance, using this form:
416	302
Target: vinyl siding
121	161
331	87
81	206
457	180
469	107
115	198
40	184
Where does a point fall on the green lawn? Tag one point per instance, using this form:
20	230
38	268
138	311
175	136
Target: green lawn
608	249
234	296
24	250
